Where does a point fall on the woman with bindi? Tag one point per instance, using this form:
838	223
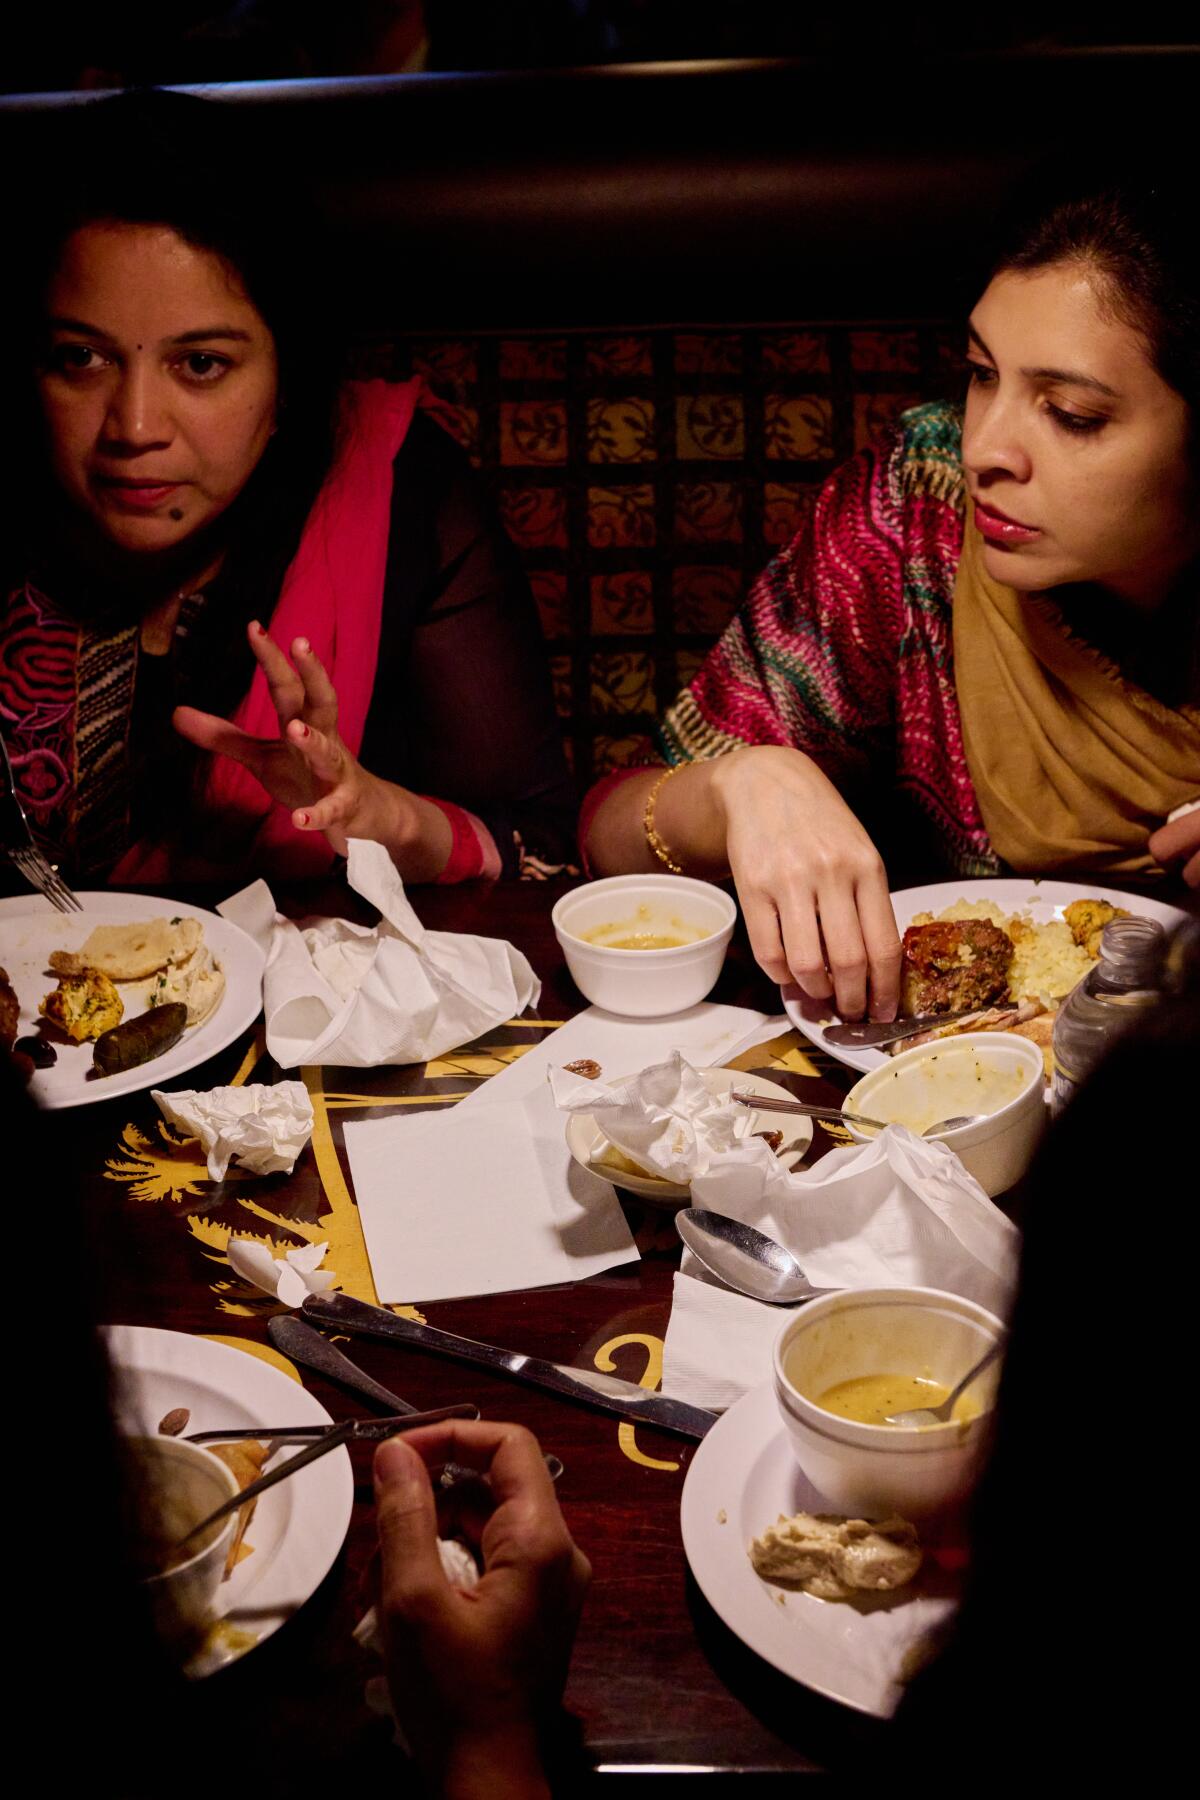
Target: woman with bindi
250	609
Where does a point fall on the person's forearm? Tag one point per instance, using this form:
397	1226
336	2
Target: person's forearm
416	834
506	1765
689	817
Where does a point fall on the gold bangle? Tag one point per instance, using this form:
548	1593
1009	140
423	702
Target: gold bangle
652	837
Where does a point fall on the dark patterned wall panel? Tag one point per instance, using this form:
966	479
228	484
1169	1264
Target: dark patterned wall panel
646	477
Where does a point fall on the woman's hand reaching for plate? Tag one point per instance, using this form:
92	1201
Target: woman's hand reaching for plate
309	769
812	885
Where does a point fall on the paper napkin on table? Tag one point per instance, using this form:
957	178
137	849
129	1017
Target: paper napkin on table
900	1211
291	1277
486	1196
664	1118
362	996
261	1128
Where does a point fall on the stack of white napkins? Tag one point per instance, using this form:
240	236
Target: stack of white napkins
485	1196
900	1211
360	997
664	1118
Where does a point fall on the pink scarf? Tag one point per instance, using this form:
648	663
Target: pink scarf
333	595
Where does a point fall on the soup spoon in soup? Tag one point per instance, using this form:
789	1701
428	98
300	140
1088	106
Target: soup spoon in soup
941	1414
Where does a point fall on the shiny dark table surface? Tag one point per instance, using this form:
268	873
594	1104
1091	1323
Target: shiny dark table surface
656	1680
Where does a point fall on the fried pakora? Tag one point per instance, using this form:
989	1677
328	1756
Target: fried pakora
83	1005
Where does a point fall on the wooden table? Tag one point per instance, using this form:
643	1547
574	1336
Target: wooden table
656	1680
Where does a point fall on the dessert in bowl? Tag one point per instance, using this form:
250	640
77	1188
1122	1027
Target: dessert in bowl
849	1357
645	946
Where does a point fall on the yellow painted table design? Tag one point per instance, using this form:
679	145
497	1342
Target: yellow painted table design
162	1167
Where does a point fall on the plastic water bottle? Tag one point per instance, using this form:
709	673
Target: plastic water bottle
1105	1003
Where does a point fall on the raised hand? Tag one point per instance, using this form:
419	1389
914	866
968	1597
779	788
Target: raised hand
309	769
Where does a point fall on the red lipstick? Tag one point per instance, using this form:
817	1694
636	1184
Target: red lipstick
997	528
137	496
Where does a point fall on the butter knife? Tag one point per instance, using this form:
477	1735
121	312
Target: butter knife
868	1036
588	1386
304	1344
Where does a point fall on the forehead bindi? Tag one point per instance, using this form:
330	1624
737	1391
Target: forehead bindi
144	284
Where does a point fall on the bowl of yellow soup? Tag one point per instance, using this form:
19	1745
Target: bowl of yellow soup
994	1073
645	946
848	1359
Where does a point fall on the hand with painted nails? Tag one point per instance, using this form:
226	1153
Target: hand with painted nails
476	1674
309	769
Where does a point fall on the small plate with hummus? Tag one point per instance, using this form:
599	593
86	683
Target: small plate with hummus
1011	949
127	994
743	1480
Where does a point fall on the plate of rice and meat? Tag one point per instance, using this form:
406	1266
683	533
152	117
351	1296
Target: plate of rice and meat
1006	951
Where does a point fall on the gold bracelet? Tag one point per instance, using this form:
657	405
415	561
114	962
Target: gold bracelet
652	837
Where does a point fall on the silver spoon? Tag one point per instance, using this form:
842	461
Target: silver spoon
743	1258
768	1103
940	1415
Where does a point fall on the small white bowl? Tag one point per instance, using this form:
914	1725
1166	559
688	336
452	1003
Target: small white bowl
646	984
868	1471
190	1484
950	1076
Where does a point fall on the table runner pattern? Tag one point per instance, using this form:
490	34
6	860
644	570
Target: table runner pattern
315	1204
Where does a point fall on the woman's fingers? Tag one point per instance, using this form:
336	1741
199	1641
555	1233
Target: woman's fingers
320	697
283	682
325	754
208	732
762	927
798	918
845	951
882	942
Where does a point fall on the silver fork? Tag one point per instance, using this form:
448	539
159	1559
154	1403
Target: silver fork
16	840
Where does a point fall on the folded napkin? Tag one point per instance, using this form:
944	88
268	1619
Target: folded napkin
347	994
900	1211
664	1118
260	1128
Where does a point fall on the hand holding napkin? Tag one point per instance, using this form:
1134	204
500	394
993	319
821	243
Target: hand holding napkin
262	1129
347	994
664	1118
900	1211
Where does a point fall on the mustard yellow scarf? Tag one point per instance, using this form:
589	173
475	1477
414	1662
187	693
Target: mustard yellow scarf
1072	765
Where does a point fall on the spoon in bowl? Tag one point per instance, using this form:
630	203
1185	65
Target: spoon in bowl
941	1414
768	1103
746	1260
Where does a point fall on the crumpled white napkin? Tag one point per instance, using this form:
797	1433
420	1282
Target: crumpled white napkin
357	996
664	1117
261	1128
900	1211
291	1277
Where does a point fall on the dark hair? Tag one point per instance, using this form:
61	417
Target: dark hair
205	169
1134	228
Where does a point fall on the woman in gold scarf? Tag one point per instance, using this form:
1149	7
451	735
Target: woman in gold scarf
993	619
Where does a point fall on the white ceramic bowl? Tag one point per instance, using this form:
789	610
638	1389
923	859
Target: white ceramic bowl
646	984
868	1471
191	1484
951	1076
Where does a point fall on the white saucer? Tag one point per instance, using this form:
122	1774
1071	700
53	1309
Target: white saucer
742	1477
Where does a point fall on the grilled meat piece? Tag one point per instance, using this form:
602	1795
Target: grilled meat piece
954	965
